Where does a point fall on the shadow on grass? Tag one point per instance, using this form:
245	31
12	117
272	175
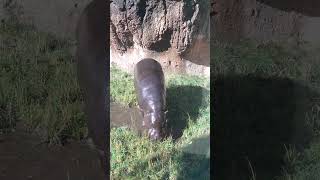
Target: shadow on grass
255	118
195	160
183	102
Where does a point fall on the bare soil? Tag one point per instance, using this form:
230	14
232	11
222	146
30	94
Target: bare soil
23	156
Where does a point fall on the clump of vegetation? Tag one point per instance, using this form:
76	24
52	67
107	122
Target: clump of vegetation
38	84
269	60
122	87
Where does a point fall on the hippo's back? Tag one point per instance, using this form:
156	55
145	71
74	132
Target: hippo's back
149	85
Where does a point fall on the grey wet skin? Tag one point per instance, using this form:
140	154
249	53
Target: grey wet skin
150	88
92	71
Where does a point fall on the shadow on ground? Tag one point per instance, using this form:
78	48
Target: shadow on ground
183	102
254	119
195	160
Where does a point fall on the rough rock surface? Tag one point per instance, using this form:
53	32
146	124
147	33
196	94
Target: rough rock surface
59	17
265	20
170	30
250	19
174	32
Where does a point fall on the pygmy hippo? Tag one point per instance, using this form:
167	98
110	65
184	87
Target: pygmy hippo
150	88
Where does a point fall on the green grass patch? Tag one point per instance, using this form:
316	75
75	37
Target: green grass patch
133	157
38	84
269	60
122	87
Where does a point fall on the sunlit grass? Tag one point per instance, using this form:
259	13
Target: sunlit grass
134	157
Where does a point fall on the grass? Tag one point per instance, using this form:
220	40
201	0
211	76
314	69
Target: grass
38	84
122	87
133	157
271	61
38	88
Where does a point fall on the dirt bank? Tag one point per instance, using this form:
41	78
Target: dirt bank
23	156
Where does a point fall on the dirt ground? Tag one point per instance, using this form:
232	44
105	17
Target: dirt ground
23	157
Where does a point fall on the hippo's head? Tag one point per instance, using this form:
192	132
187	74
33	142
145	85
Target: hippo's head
154	124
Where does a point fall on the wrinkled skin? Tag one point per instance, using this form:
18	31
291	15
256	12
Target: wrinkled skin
92	68
151	94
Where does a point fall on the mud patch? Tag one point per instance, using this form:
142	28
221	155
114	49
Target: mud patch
122	116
